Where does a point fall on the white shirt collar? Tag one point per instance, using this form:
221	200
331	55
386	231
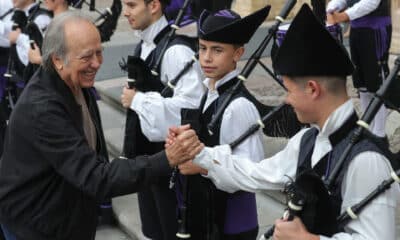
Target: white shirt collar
223	80
333	123
148	34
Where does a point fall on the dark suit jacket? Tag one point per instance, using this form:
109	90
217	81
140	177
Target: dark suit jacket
50	179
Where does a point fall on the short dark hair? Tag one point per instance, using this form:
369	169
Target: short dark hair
334	84
164	3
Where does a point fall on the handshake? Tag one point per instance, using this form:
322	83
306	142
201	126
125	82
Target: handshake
181	146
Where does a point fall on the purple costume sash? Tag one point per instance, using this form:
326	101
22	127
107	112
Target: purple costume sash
379	25
241	213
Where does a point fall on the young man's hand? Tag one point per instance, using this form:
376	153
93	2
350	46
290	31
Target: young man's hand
127	96
189	168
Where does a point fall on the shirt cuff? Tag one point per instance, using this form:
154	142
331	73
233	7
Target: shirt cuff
205	158
137	101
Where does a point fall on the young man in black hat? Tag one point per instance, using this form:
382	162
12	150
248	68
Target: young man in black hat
317	91
215	214
155	112
370	38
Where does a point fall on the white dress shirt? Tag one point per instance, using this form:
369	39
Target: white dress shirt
156	113
365	172
360	9
42	21
238	116
5	23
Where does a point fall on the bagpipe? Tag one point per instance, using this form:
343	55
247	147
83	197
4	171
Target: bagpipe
314	191
275	127
107	20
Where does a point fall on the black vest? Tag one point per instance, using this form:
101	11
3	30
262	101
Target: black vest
135	142
321	223
207	204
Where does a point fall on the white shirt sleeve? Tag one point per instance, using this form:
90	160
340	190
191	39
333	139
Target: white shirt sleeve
237	118
358	10
5	28
156	113
23	48
377	220
23	40
362	8
232	173
336	5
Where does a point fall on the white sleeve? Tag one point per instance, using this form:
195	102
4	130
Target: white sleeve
362	8
232	173
336	5
23	48
378	219
5	28
237	118
156	113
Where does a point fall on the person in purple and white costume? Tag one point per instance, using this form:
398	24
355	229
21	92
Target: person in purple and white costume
370	38
215	214
317	91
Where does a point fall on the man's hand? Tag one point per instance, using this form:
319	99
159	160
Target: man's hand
34	55
292	230
127	96
184	147
13	35
189	168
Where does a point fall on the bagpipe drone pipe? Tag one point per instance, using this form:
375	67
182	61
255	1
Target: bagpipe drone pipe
107	20
315	191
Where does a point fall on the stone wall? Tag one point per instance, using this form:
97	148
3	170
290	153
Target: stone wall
245	7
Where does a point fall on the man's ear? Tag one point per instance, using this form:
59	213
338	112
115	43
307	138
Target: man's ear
238	54
314	88
155	6
57	62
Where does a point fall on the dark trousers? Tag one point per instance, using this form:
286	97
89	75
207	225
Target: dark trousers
158	211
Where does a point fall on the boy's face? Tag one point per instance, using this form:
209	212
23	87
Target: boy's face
138	13
217	59
299	97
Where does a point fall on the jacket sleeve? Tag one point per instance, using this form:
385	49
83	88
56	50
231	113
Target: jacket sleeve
65	148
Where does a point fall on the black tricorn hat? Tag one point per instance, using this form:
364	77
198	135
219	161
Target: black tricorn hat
226	26
308	49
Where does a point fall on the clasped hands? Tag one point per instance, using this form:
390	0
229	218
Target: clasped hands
181	146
